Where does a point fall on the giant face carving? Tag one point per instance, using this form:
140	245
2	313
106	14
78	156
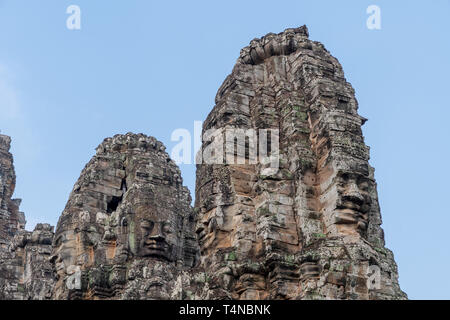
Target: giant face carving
155	232
354	201
63	246
64	260
154	236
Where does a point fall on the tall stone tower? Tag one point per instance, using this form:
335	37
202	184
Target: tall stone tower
310	227
25	270
127	231
10	220
286	203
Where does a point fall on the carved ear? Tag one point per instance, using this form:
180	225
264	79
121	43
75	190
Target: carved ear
131	239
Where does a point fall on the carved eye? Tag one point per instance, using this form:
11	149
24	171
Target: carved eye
147	225
345	176
166	228
363	185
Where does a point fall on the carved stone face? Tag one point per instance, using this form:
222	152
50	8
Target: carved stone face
155	232
154	238
354	200
62	257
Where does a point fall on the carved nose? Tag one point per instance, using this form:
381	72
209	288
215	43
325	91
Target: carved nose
353	194
157	236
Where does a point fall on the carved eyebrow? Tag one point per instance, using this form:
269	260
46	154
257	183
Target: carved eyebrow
340	178
362	180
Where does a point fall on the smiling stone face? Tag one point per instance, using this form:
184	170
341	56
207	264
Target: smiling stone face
354	201
157	235
62	256
155	230
153	242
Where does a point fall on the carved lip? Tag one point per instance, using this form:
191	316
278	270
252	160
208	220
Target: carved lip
348	216
345	215
352	207
349	211
156	245
157	249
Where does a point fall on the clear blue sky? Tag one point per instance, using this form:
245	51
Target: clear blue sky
155	66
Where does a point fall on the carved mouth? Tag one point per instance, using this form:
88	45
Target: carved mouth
346	215
157	249
155	245
349	211
350	205
355	207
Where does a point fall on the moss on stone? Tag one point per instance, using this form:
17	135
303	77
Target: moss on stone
319	235
231	256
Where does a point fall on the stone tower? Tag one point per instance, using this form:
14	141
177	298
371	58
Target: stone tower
309	227
128	228
286	203
11	219
25	270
